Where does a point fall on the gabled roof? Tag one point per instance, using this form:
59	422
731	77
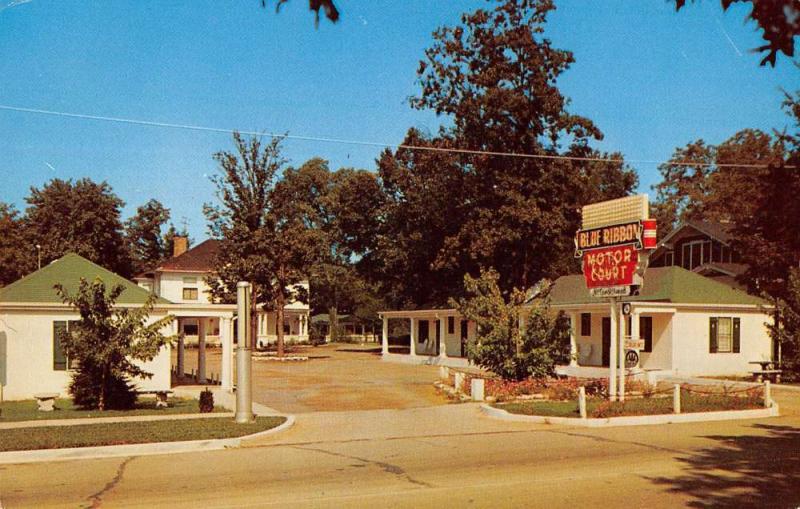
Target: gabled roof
728	269
68	270
662	284
198	259
714	229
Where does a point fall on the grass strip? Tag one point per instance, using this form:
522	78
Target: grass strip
27	410
88	435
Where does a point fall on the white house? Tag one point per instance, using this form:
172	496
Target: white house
182	279
691	325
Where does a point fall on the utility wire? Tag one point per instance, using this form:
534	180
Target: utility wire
169	125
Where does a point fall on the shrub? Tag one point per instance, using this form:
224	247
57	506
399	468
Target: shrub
502	345
86	387
608	409
206	401
562	390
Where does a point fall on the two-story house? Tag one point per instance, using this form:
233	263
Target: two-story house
703	247
183	279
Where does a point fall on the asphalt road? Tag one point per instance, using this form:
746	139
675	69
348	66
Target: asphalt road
446	456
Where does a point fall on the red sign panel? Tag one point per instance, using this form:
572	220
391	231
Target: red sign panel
612	266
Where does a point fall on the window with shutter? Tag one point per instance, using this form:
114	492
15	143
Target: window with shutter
59	357
586	324
736	335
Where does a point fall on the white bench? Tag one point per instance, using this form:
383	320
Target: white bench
46	401
161	396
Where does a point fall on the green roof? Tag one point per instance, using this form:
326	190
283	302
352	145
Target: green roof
68	270
662	284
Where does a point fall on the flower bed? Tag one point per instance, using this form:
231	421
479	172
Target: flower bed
692	401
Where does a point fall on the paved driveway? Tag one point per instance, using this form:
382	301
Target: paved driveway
337	377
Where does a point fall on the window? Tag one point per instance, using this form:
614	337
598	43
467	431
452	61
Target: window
190	294
724	335
646	332
696	253
60	360
586	324
190	280
191	329
451	324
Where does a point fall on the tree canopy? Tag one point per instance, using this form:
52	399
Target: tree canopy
493	77
778	20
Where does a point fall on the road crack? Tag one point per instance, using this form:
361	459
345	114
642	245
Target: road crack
386	467
97	499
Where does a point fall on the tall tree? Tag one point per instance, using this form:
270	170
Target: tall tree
493	77
683	193
17	254
709	182
263	238
82	217
145	237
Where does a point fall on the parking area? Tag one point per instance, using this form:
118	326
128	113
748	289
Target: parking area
337	377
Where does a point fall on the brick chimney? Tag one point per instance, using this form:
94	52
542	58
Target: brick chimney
180	245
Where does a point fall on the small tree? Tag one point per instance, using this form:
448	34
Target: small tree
515	339
106	342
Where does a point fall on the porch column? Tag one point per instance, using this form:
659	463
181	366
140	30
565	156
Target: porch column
612	353
635	333
201	350
573	339
621	325
226	338
443	337
181	367
385	336
413	337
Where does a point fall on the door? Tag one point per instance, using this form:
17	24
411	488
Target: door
606	340
463	338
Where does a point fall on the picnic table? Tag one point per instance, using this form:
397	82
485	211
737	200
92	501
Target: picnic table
768	369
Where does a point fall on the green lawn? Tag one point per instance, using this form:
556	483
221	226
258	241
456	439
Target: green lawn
27	410
641	406
86	435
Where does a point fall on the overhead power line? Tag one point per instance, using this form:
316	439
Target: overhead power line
169	125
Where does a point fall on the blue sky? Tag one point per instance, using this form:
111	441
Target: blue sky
651	80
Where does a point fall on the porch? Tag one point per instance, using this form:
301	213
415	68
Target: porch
593	327
431	337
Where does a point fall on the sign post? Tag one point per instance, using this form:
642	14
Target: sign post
614	243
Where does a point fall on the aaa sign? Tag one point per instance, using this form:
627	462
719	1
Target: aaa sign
613	266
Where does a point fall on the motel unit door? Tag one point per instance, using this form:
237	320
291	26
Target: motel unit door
606	340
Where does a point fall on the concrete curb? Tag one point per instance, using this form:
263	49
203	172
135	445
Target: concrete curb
636	420
115	451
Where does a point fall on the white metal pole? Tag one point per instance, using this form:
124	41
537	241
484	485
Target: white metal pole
244	387
612	353
621	326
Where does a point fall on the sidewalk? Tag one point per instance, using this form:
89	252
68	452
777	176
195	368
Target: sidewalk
445	420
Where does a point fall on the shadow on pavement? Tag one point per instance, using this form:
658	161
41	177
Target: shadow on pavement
743	471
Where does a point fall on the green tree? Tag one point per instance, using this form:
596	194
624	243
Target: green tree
17	254
147	241
778	20
82	217
683	192
516	339
264	239
493	77
106	343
